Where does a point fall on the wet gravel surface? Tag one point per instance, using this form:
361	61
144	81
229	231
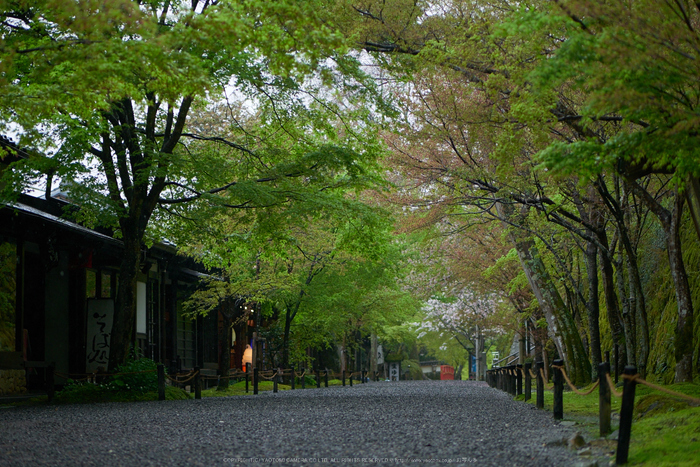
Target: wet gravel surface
426	422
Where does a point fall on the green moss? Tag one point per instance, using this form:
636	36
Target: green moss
669	439
662	310
656	404
665	431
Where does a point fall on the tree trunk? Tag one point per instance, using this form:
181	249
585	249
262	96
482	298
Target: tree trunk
560	322
684	326
567	338
637	304
288	318
225	351
671	223
593	307
125	304
627	313
373	354
692	193
640	315
612	306
341	355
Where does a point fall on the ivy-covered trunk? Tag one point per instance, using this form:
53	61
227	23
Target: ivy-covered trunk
560	321
670	221
612	306
684	325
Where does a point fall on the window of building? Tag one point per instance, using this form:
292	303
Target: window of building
100	283
186	338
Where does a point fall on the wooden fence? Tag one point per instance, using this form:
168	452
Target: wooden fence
511	378
253	376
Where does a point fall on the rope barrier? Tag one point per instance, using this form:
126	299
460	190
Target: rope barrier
544	381
639	380
68	376
237	374
92	375
274	375
571	385
532	375
612	386
191	375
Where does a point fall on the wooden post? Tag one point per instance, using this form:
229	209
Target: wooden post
350	379
325	377
363	375
603	399
376	376
247	376
197	383
558	379
540	385
519	379
161	382
626	410
294	379
256	377
511	380
275	381
607	356
303	378
50	389
343	376
318	378
528	381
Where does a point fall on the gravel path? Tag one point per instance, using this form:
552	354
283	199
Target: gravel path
427	422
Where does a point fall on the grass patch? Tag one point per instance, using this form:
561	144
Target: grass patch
665	429
238	389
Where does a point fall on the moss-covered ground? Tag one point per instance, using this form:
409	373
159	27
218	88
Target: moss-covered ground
665	429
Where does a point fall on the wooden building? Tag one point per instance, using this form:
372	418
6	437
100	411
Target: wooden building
58	283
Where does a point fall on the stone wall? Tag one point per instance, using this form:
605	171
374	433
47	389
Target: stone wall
12	382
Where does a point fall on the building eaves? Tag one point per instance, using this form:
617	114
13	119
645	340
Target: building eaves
32	211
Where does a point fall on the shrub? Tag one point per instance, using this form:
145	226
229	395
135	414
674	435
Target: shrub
135	380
